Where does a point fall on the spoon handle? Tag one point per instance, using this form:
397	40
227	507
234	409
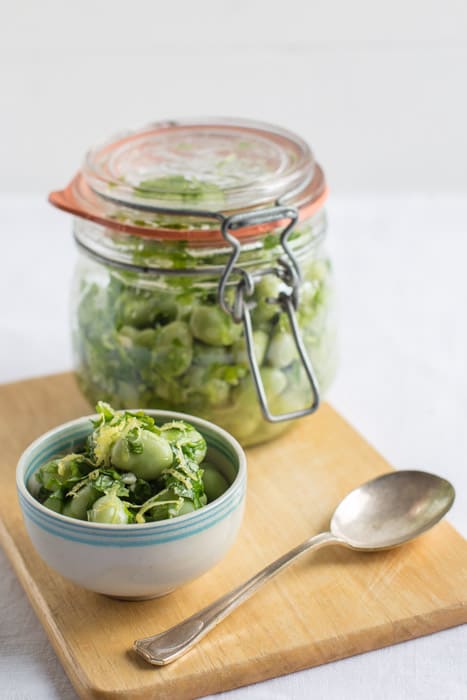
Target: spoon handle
163	648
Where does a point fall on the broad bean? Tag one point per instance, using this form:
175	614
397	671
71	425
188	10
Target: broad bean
155	456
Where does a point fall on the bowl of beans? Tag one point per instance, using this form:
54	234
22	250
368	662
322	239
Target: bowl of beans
132	504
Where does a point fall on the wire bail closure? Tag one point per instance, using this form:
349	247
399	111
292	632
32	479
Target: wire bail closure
288	271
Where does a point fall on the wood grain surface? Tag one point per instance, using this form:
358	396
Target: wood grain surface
329	605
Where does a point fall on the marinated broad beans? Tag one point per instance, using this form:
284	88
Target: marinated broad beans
130	470
164	342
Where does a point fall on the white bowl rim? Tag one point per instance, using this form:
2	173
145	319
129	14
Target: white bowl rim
131	527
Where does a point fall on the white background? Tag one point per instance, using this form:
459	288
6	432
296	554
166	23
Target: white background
379	90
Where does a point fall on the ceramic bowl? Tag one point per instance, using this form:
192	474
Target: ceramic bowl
134	561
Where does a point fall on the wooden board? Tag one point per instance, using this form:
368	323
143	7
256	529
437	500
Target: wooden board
329	605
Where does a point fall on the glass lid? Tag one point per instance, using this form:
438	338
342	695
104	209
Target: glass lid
180	179
204	165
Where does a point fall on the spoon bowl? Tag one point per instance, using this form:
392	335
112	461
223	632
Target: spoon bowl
391	510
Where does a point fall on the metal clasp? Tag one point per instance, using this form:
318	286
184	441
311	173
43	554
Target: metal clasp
288	271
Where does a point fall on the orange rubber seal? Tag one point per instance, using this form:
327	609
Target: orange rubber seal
79	200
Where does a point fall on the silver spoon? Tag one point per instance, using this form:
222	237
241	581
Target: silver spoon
383	513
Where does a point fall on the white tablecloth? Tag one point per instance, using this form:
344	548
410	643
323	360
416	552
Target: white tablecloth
400	265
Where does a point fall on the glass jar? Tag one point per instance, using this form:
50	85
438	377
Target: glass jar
202	284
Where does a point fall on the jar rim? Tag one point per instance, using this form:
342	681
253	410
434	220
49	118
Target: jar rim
193	173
